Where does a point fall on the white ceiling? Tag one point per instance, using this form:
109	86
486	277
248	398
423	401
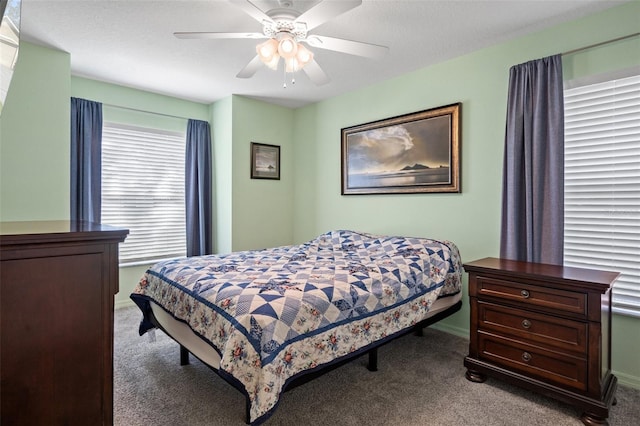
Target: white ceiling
131	42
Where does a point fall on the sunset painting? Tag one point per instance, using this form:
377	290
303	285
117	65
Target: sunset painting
410	156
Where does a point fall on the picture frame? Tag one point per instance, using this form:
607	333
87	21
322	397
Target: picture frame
265	161
412	153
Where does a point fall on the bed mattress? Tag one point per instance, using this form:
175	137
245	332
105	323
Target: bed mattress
180	332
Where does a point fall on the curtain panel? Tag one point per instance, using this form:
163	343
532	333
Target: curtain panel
198	188
533	178
86	159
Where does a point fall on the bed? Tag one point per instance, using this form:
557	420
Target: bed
267	320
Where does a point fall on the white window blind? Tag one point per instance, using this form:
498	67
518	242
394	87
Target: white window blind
602	184
143	190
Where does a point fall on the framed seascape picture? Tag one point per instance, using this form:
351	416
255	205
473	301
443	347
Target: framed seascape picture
265	161
412	153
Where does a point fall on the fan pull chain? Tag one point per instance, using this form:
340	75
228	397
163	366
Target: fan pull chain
284	77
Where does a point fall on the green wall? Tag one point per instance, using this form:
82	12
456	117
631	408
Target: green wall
249	213
626	349
222	135
34	138
470	219
262	208
160	111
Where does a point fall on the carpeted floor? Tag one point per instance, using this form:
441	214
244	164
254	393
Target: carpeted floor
420	382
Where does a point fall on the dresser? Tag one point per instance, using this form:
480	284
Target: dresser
57	285
546	328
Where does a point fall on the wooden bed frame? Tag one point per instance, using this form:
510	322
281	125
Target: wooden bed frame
306	376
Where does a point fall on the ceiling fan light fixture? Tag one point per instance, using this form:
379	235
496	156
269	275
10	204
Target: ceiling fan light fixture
303	56
295	55
287	48
291	65
267	50
284	28
273	63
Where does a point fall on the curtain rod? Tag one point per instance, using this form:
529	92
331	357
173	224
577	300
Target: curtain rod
146	112
600	44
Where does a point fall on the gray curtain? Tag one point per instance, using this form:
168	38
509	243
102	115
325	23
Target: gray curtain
86	159
198	188
533	177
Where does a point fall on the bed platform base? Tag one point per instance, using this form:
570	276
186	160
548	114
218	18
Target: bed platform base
371	351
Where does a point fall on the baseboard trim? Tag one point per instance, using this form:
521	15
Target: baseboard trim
456	331
627	380
119	304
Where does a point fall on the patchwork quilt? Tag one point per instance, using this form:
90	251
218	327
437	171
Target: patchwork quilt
277	313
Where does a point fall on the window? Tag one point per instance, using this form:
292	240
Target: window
143	190
602	184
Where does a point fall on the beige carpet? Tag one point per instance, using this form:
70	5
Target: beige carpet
420	382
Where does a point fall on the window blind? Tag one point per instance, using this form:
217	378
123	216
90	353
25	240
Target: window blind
143	190
602	184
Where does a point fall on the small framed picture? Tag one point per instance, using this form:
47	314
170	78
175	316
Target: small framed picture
265	161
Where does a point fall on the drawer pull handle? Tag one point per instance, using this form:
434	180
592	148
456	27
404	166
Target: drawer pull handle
526	357
526	323
524	293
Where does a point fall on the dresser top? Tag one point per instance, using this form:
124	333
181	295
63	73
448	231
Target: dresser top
546	272
26	232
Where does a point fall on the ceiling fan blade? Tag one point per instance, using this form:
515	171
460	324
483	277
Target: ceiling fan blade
251	10
357	48
325	11
211	35
250	69
315	73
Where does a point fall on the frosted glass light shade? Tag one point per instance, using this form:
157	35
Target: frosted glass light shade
295	55
291	65
304	56
273	63
287	48
267	50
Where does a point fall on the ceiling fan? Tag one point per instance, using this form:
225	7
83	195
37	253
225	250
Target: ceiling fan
285	29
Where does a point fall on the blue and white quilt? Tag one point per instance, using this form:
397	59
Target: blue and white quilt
276	313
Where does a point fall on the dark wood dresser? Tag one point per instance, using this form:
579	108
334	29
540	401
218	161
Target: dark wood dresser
546	328
57	285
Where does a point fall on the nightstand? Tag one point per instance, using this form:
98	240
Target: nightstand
546	328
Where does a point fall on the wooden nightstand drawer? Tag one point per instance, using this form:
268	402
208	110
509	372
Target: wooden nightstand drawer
545	298
548	331
561	369
543	327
